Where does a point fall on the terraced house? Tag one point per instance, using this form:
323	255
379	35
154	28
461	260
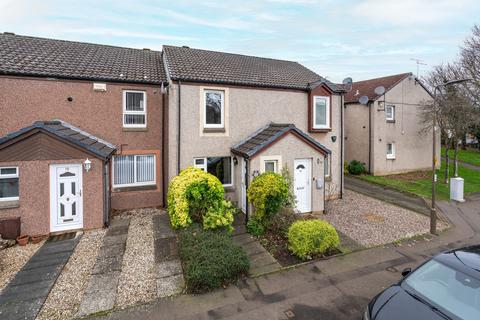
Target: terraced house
90	128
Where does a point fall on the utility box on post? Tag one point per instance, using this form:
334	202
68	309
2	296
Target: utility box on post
456	189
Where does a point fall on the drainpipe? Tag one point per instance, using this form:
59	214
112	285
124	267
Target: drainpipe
247	174
164	145
106	194
370	138
179	124
342	106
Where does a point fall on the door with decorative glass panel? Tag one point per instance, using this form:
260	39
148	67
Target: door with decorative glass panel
66	205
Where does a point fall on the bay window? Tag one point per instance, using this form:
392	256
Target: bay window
134	170
321	112
9	184
220	167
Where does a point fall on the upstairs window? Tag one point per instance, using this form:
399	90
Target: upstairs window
8	183
134	109
321	112
220	167
134	170
214	108
390	113
390	151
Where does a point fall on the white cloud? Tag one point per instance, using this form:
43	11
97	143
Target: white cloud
408	12
130	34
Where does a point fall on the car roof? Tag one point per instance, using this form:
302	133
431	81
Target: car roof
464	259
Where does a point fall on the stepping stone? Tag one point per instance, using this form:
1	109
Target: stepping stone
26	293
170	286
102	288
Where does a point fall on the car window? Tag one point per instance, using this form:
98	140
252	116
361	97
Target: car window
447	289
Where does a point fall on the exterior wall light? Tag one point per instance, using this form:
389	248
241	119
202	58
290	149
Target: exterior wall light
235	161
256	173
87	164
334	138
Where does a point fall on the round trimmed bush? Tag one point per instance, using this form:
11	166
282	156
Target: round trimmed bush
268	192
356	167
197	196
309	237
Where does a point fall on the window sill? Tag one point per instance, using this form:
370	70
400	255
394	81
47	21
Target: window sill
9	204
320	130
390	158
134	129
213	130
134	188
229	189
328	178
390	121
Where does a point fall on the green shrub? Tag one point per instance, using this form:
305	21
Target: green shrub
290	201
309	237
255	227
281	222
268	193
356	167
210	259
197	196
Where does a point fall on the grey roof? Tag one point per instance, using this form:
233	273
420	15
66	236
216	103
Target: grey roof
41	57
269	134
187	64
69	133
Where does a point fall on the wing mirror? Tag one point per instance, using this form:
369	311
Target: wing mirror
406	272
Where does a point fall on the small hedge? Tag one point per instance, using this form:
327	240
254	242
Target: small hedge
210	259
197	196
268	193
356	167
310	237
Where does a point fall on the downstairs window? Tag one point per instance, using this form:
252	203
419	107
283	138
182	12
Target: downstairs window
134	170
8	184
220	167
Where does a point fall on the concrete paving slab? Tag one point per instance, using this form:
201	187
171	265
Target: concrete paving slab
168	268
169	286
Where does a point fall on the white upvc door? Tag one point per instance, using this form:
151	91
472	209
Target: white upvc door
302	184
66	201
244	185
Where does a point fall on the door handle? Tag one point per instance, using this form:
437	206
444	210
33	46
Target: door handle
80	192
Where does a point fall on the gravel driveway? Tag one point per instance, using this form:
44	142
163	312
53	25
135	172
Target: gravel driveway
373	222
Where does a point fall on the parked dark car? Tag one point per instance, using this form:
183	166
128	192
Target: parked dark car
445	287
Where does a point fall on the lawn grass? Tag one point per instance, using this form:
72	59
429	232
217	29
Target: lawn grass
423	186
467	156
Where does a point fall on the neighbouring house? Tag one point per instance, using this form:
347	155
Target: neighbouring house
237	116
88	128
386	133
111	95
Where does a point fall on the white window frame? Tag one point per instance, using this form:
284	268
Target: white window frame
392	118
135	184
127	112
204	166
391	156
327	113
276	158
222	110
326	166
9	176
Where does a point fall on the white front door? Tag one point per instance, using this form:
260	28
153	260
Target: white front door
302	184
244	185
66	205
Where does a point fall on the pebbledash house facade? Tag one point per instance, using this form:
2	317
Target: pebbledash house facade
87	129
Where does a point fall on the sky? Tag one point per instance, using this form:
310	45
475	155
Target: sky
361	39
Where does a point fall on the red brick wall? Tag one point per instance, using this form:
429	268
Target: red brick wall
25	100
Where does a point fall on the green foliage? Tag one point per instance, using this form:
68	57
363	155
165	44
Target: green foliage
290	201
255	227
345	168
197	196
210	259
356	167
281	222
268	193
309	237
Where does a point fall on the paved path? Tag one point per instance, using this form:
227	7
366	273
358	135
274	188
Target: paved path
102	288
337	288
167	263
390	195
261	261
464	164
25	294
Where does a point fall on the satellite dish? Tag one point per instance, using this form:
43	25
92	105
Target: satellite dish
379	90
347	81
363	100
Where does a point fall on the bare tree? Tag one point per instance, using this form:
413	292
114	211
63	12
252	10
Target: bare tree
470	65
